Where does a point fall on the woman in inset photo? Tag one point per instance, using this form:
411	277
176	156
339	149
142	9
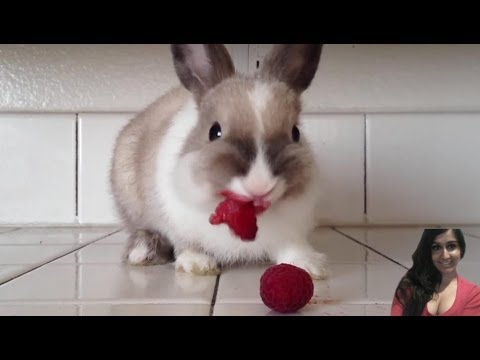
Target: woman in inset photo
432	286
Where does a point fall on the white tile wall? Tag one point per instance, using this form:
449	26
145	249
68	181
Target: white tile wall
97	134
423	168
83	77
37	167
338	144
350	78
420	167
89	77
396	78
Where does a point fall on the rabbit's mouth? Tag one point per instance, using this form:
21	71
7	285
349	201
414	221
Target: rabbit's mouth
261	205
259	202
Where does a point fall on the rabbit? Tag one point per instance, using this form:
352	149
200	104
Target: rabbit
220	131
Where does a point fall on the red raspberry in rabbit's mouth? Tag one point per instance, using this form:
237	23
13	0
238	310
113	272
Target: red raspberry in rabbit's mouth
239	213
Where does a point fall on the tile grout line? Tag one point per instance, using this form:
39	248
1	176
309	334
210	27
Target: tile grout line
214	297
77	281
365	270
9	231
365	274
369	247
365	164
50	260
76	167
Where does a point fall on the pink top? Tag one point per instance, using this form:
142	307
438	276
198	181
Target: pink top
467	301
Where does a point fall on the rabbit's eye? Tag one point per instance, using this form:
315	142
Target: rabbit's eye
296	134
215	131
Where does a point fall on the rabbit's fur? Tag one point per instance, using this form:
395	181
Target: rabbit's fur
220	131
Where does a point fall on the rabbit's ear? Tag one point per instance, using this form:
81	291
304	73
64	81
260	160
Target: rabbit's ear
201	66
294	64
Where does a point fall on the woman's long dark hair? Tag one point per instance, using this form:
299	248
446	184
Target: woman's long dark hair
422	279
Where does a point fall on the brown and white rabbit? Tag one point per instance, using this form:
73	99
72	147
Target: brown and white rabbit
221	131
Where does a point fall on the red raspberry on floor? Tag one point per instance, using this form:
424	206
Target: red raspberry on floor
286	288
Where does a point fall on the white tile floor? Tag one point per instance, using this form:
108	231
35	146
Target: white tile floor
78	271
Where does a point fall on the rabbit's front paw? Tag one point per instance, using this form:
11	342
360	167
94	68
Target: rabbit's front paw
314	263
196	263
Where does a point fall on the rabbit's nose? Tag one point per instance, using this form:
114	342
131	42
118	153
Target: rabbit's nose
260	189
262	192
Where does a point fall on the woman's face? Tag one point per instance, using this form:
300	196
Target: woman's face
446	252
